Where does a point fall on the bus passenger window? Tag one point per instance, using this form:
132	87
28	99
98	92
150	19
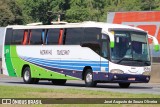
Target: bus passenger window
52	36
91	34
94	46
35	37
73	36
17	37
91	39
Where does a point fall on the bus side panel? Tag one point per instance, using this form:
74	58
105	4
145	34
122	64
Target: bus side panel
36	71
64	61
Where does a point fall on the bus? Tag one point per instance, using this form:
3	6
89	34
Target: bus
95	52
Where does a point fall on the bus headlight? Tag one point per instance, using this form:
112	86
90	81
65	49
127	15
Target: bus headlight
116	71
147	73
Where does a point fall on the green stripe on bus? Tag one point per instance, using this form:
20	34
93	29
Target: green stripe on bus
8	61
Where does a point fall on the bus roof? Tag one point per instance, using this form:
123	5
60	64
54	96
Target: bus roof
103	25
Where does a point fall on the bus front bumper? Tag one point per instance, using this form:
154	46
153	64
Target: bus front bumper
120	78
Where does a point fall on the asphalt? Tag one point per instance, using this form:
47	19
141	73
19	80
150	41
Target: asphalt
139	88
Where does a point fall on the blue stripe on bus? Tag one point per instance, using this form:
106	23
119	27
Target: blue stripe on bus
66	61
63	65
79	68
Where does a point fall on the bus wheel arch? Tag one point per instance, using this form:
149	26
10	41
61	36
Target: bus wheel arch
88	78
84	71
26	74
24	66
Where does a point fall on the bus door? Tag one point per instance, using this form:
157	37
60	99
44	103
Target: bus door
105	54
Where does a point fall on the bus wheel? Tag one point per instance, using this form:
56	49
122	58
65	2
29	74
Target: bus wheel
89	79
124	85
58	81
27	76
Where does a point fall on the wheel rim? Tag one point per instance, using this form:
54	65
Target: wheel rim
89	78
26	75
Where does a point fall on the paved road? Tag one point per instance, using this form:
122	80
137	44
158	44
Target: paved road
151	88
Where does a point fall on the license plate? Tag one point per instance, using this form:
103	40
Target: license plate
133	79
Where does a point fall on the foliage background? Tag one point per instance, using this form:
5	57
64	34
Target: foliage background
30	11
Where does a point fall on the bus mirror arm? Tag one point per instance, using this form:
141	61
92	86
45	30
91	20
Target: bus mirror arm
155	42
111	37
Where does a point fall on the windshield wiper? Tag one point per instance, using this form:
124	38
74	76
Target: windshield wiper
124	58
139	60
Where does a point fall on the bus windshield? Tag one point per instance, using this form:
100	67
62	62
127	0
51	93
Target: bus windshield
130	46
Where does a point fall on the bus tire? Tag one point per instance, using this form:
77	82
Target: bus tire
58	81
89	79
124	85
27	76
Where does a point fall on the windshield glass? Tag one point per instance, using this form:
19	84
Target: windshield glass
130	46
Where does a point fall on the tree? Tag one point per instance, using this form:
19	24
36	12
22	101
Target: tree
83	10
149	4
29	11
16	10
10	13
43	10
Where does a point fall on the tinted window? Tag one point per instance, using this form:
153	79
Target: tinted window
91	39
36	37
94	46
105	46
91	34
8	36
52	36
17	37
74	36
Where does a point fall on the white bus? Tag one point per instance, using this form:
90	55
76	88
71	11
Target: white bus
95	52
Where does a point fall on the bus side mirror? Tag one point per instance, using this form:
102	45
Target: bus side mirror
111	44
156	48
111	37
155	43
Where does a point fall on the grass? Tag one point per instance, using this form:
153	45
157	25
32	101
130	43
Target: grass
28	92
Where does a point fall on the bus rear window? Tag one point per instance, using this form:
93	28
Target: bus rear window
8	36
